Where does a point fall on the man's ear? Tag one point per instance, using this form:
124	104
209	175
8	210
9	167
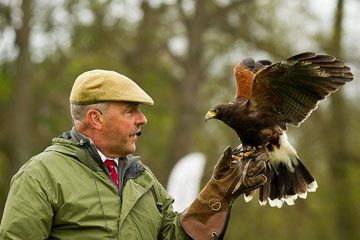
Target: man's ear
95	119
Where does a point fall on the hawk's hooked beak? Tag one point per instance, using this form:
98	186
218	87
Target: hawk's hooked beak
210	114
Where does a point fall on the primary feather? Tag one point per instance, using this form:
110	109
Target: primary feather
270	96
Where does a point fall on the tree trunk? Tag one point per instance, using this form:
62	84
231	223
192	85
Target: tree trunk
187	88
20	113
340	156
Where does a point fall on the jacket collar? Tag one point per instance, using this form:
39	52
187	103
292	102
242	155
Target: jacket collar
83	149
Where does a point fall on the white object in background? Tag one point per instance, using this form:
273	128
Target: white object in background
185	178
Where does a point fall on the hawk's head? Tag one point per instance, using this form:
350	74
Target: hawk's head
221	112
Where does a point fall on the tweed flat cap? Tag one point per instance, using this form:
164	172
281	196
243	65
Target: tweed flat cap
106	86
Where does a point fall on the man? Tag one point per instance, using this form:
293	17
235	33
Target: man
87	185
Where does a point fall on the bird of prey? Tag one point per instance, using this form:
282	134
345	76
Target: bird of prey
268	98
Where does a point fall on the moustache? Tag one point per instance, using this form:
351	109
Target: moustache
136	132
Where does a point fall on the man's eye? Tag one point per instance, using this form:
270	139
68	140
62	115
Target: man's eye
131	109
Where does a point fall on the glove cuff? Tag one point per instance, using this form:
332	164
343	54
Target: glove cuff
201	222
207	217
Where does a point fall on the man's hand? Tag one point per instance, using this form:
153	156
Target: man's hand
249	170
233	175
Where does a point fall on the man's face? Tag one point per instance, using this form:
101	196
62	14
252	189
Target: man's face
122	122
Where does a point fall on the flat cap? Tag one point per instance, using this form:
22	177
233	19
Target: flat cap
106	86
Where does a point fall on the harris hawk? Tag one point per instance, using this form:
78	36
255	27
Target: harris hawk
268	98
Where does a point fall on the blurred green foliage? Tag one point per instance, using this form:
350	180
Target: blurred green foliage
182	53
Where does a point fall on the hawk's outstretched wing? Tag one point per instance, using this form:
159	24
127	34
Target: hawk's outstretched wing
294	87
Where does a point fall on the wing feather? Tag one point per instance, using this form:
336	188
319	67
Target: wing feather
295	86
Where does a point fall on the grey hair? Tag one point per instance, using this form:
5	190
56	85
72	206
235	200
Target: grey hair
78	112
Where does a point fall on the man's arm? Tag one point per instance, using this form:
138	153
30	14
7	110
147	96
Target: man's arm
207	217
170	225
28	213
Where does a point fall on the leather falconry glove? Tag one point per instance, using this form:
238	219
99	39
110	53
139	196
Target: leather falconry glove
207	217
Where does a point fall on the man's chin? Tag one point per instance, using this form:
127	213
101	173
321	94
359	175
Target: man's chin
130	150
126	151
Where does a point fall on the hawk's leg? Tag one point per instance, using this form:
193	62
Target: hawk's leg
248	151
244	151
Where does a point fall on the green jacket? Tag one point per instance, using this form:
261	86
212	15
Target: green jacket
65	192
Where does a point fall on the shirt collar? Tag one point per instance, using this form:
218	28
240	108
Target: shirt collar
103	157
77	135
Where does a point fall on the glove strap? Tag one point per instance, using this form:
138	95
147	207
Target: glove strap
222	233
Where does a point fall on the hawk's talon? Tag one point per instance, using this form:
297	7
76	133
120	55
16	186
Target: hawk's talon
238	150
248	151
235	157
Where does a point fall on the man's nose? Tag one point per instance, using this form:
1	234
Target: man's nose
140	119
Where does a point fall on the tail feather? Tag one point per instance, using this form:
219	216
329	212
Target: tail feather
285	185
264	191
248	196
305	173
299	182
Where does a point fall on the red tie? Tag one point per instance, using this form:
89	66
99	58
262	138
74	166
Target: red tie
111	165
